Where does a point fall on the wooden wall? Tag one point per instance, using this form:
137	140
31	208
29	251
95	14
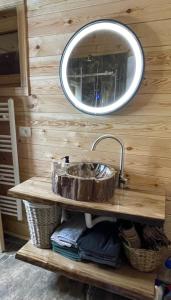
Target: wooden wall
59	129
8	44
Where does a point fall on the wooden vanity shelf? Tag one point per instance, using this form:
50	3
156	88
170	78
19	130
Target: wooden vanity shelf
126	281
126	204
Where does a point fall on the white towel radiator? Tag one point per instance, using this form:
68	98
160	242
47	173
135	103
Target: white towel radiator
9	174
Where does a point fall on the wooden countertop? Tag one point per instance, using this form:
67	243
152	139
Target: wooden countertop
127	204
124	281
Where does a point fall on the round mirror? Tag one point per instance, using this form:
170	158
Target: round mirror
101	67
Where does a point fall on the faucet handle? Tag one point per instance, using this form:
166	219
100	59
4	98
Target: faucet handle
122	181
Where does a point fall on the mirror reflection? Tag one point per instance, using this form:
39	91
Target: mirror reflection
101	68
9	49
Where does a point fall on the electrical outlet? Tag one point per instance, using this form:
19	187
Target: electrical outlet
25	132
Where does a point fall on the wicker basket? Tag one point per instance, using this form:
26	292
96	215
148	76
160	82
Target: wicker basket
42	220
142	259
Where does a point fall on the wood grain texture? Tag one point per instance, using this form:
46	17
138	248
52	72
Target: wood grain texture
8	24
156	59
143	11
146	126
18	22
142	105
58	128
6	4
85	181
13	227
158	31
9	80
160	165
154	82
43	141
132	204
125	281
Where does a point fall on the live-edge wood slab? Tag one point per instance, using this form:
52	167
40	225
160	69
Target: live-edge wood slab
124	281
125	203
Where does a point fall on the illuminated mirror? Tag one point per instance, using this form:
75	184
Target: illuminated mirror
101	67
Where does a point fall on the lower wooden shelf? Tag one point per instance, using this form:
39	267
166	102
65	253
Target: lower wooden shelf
125	281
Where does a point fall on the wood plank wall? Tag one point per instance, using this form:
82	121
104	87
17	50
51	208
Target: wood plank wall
59	129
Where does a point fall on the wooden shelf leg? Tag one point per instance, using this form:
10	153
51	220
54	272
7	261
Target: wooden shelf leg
2	244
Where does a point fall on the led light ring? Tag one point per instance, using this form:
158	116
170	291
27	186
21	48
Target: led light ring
134	44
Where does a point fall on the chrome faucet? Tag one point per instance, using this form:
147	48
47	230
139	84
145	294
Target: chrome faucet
122	179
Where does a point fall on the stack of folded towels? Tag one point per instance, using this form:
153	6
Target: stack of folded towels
64	239
99	244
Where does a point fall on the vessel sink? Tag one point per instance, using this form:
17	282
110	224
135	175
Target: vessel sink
85	181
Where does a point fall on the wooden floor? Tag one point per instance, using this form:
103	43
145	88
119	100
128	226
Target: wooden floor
125	281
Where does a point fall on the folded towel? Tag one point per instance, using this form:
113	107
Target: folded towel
69	250
114	262
101	255
101	244
71	253
68	233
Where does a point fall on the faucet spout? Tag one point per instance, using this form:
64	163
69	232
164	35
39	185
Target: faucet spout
122	180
